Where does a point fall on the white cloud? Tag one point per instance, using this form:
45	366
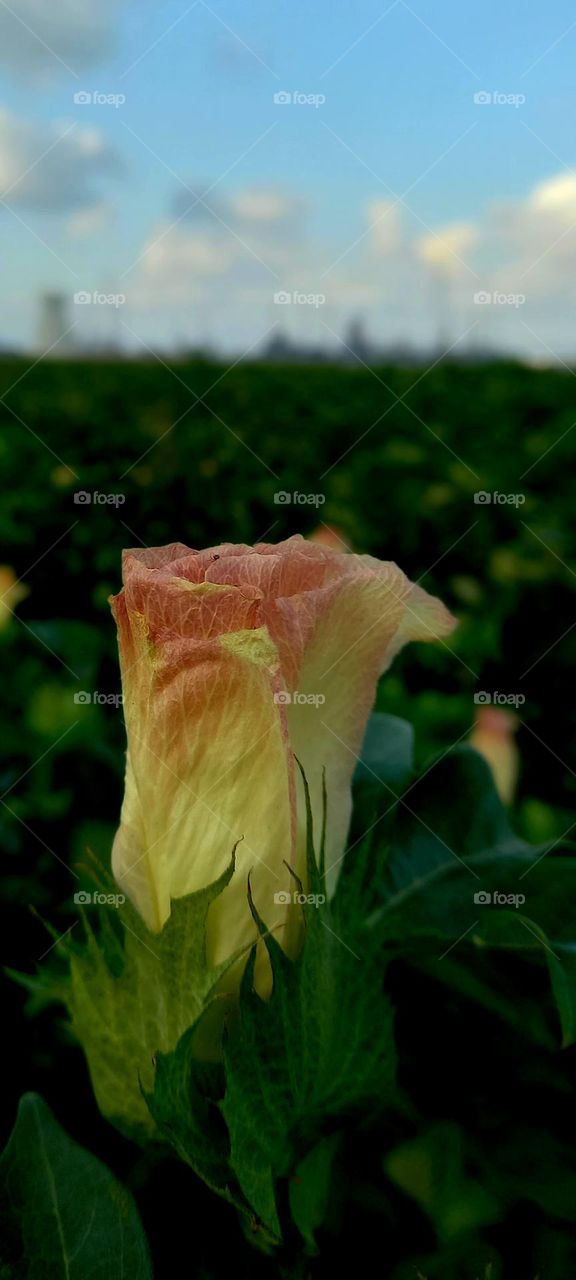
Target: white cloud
258	213
172	251
227	246
54	168
225	258
40	39
555	195
530	245
408	286
446	248
264	205
384	219
85	223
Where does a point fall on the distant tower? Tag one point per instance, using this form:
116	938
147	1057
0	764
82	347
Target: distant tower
53	323
357	341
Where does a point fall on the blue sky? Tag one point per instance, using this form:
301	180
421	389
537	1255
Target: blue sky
398	197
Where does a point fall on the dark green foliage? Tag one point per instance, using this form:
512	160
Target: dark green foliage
426	1108
63	1216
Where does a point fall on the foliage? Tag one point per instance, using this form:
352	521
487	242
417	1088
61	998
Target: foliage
320	1066
63	1215
425	1108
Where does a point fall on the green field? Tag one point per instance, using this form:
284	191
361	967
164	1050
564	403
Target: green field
195	453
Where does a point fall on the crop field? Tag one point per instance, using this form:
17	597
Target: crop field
462	475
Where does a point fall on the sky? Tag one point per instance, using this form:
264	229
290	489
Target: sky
218	173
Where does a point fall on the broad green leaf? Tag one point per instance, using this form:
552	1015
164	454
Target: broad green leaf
452	842
452	811
457	873
384	769
63	1215
387	751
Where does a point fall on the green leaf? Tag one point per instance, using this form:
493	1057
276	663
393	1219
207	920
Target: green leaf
562	966
259	1099
531	1163
561	960
310	1188
431	1169
387	751
452	811
451	841
456	873
184	1106
319	1050
386	766
133	997
63	1215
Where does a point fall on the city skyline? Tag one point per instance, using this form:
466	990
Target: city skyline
58	337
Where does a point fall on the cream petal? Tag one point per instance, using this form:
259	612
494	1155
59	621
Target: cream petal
349	642
209	764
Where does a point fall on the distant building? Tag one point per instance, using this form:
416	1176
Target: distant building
54	324
357	344
281	349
